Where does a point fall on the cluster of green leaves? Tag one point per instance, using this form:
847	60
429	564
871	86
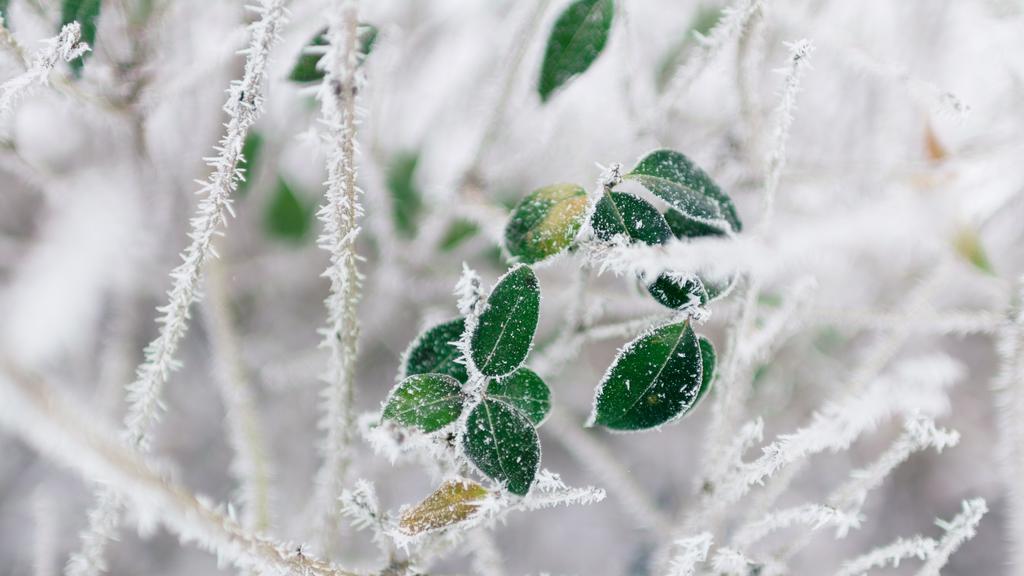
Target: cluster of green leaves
500	401
85	12
661	375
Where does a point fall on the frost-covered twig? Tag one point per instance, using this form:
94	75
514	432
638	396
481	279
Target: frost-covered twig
952	322
64	47
734	19
799	52
892	554
59	429
918	386
814	516
957	531
689	552
250	465
340	216
243	106
12	45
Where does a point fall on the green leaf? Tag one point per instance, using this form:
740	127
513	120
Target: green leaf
251	149
546	222
525	391
623	214
458	232
709	361
406	199
579	35
287	217
683	226
3	11
453	502
434	351
655	379
85	12
503	444
504	333
678	291
425	401
305	69
676	180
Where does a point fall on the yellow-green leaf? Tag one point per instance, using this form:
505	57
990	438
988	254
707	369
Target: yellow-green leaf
453	502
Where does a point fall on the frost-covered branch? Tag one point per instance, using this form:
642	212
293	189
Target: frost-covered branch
814	516
890	555
243	106
688	553
340	216
957	531
799	53
1008	391
64	47
59	429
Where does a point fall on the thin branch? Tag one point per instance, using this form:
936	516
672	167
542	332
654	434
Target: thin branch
60	430
340	215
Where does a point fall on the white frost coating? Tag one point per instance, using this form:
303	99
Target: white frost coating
918	386
243	106
814	516
64	47
340	215
799	52
689	553
958	530
890	555
58	428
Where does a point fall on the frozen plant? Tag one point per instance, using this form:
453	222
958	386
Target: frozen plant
667	288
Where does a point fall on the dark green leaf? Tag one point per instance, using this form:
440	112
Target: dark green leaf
576	41
3	11
502	442
458	232
546	222
623	214
708	362
85	12
406	199
655	379
434	351
305	69
287	217
677	291
678	181
524	390
504	334
683	226
251	149
425	401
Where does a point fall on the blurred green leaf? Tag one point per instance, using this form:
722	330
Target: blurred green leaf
709	361
305	69
703	21
85	12
577	39
458	232
287	217
251	150
406	199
